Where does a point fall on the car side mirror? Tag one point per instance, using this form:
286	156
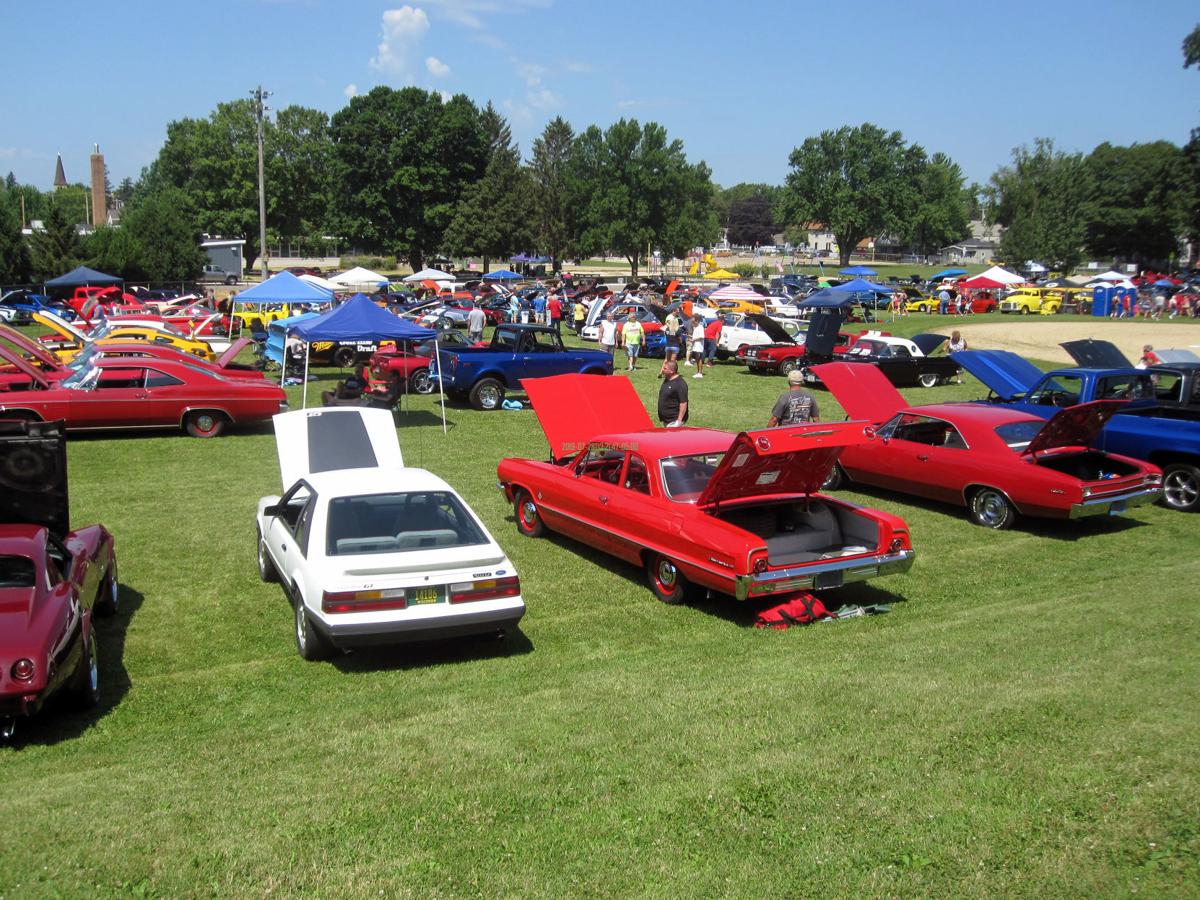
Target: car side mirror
275	510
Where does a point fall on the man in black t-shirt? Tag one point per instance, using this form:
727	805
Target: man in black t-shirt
795	407
672	396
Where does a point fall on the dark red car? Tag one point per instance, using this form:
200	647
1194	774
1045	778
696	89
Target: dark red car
738	514
121	392
53	581
783	358
412	361
996	461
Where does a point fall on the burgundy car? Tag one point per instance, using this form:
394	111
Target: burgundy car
121	392
53	581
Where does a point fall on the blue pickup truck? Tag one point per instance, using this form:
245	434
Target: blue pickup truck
1166	435
482	375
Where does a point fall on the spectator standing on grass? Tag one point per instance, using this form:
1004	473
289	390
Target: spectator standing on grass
796	406
555	310
697	345
514	309
475	322
539	309
672	396
671	327
632	336
943	302
581	312
712	334
608	334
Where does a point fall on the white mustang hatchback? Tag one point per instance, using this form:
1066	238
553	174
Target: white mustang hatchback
371	552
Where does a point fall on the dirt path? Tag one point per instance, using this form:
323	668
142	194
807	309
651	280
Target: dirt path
1039	337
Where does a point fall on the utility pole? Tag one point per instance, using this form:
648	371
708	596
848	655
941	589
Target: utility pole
260	96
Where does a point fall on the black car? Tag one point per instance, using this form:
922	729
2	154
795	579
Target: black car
894	359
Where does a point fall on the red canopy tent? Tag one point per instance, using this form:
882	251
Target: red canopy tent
980	283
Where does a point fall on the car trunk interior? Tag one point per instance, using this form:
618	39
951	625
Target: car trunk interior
1090	466
801	531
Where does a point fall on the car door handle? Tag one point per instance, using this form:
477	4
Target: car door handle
603	499
283	548
922	457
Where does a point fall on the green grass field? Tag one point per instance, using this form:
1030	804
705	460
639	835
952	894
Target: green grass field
1023	722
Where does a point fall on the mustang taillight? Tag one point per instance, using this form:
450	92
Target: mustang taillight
362	601
489	589
22	670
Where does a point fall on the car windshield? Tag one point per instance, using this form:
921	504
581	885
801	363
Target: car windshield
1018	434
84	358
686	477
399	522
81	380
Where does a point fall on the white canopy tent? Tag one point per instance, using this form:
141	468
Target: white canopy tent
428	275
358	277
1110	275
995	273
322	283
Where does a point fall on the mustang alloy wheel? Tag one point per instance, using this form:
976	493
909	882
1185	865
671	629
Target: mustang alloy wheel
266	568
1181	487
313	645
788	366
529	519
666	581
991	509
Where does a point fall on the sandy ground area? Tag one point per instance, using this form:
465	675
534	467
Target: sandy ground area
1039	337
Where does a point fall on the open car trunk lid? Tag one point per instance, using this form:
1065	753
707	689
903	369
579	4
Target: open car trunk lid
573	409
1093	354
328	440
928	342
822	334
775	461
33	475
772	329
1003	372
234	349
1075	426
862	390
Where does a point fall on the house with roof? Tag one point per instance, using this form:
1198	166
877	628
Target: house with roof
971	250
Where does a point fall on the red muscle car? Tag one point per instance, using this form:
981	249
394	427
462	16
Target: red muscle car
120	392
998	462
739	514
52	580
55	370
783	358
413	361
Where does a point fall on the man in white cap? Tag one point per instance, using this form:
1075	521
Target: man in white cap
795	407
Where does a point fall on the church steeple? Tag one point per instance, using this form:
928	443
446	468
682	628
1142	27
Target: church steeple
60	177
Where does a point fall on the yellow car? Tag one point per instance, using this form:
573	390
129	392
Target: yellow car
739	306
71	340
257	317
921	304
1027	300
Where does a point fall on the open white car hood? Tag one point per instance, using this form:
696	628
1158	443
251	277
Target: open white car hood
327	440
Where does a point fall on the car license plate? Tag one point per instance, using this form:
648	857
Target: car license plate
418	596
828	580
1117	508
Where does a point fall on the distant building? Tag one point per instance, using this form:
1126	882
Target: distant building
972	250
226	255
60	177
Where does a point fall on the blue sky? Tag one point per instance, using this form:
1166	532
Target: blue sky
741	84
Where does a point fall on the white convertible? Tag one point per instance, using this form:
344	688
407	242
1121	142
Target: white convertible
371	552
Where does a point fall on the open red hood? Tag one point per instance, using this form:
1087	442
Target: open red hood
862	390
1075	426
22	365
234	349
788	460
573	409
33	348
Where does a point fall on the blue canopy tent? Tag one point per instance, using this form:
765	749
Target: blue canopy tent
862	286
503	275
81	276
948	273
828	298
277	335
359	319
859	271
284	288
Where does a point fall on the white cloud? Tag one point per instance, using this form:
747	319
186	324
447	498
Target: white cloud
436	67
531	72
402	30
350	90
471	13
543	99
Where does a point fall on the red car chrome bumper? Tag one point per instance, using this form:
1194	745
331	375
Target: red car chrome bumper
822	575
